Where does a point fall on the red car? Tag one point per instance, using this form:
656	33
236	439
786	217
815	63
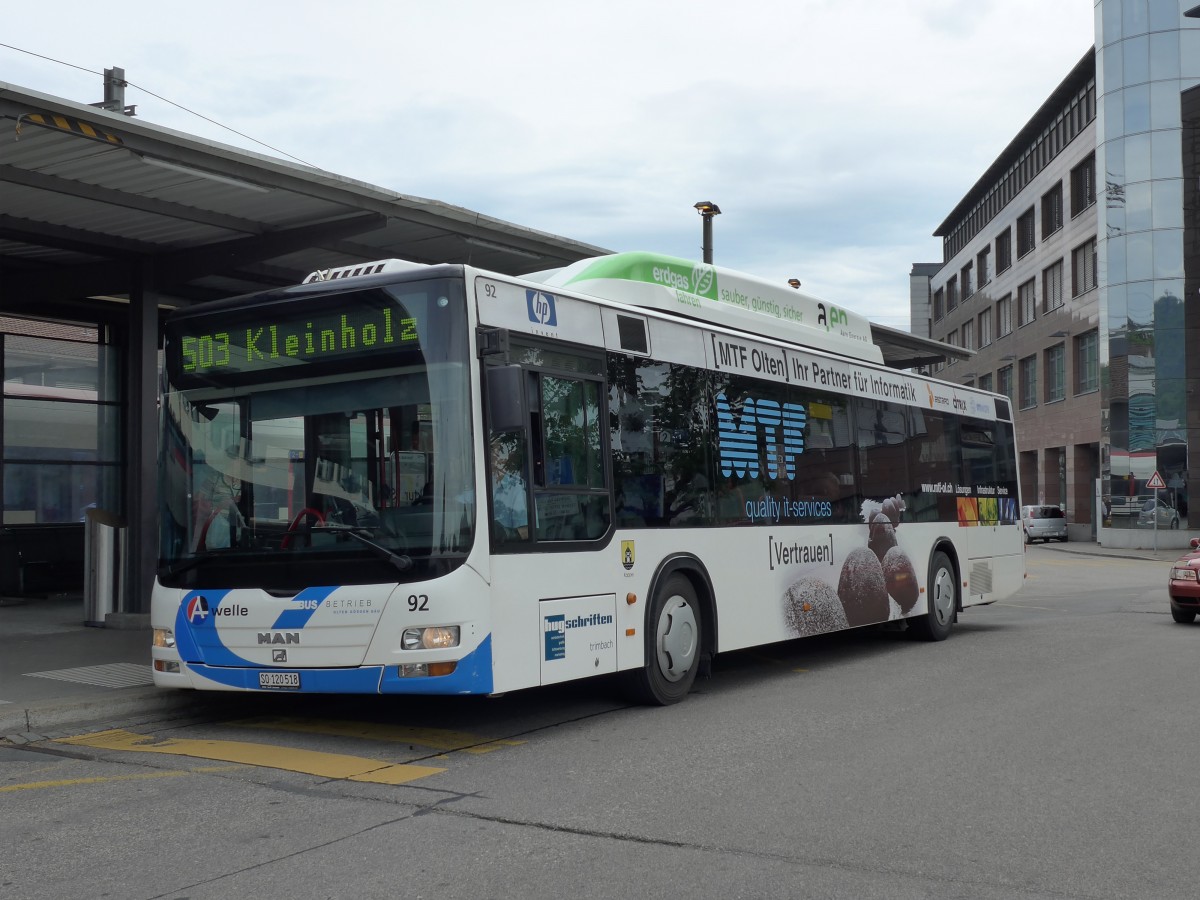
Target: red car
1184	586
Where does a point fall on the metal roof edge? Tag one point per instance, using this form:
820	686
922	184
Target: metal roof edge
302	177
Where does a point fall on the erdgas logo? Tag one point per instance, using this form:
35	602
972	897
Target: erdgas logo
702	279
671	278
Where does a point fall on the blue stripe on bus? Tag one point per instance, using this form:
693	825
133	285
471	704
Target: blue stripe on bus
298	618
473	675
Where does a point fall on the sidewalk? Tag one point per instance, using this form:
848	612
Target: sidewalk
57	674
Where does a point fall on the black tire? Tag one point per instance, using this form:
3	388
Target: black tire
673	632
1182	616
942	592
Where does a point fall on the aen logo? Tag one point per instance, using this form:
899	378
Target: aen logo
831	319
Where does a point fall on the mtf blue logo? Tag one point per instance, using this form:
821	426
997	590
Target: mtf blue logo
780	424
541	308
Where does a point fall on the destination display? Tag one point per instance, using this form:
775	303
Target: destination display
276	339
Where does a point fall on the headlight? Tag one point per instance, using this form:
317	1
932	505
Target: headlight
434	637
164	637
1183	574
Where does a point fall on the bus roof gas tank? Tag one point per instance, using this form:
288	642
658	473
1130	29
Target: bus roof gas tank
720	296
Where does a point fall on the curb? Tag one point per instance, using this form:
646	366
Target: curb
16	721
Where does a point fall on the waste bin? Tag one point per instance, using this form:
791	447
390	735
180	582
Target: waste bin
103	561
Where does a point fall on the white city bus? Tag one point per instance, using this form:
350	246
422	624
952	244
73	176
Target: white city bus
694	461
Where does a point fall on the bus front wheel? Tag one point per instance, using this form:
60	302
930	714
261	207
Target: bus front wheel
942	589
673	640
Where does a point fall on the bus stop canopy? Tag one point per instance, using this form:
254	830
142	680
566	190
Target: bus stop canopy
93	198
90	193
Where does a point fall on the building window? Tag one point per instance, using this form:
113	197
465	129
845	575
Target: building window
939	304
968	335
1004	383
1003	250
1004	315
965	276
952	293
985	381
1052	287
1083	185
985	328
1026	236
1026	302
1087	362
952	340
1052	210
1056	373
1083	268
61	421
982	274
1028	385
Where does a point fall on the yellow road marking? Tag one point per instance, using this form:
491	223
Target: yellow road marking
104	779
437	738
309	762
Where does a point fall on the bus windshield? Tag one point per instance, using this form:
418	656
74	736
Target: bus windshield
321	436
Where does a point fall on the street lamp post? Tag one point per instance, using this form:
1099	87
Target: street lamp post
707	210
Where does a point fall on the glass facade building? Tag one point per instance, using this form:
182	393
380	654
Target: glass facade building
1072	268
1147	63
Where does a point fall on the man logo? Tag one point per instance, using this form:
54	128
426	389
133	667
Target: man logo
540	307
279	637
702	278
278	656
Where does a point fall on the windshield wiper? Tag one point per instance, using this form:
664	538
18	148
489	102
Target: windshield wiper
400	561
184	565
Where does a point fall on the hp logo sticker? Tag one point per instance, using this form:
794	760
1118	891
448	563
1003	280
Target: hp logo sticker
541	308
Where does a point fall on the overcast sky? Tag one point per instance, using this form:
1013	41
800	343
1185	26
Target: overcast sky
834	135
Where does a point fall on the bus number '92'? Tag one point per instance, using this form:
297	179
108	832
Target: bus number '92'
418	602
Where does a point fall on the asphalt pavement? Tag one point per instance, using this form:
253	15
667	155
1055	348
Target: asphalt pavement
58	675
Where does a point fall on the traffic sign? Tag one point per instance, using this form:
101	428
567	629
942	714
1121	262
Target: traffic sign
1155	483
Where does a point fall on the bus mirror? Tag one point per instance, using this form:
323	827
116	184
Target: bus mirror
506	398
491	341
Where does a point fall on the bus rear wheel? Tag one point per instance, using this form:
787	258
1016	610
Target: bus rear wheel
673	640
938	619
